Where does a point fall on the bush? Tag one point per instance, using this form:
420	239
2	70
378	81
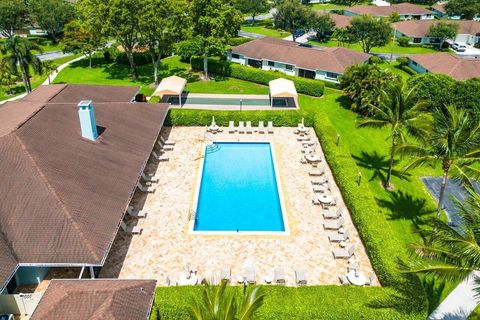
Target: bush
188	48
402	61
238	41
140	58
375	60
403	41
110	53
307	86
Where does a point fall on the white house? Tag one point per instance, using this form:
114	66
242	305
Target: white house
406	11
444	63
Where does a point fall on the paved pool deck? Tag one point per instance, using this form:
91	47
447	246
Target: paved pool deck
166	248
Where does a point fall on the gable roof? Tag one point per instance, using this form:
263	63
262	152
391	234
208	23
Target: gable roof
96	299
444	63
404	8
341	21
420	28
440	7
327	59
63	196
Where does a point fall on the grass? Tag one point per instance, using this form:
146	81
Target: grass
393	66
395	49
265	28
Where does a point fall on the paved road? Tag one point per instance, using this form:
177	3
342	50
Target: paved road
250	35
268	15
52	55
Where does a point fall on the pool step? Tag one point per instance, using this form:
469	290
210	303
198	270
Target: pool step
213	147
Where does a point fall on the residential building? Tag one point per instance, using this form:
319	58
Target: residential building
296	59
405	10
341	21
438	10
444	63
72	156
418	31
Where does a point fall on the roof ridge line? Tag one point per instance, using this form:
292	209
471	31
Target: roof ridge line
60	202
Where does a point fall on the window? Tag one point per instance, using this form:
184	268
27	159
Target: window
417	40
332	75
414	63
271	64
255	63
235	56
288	67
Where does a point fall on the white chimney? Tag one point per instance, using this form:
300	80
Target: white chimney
88	124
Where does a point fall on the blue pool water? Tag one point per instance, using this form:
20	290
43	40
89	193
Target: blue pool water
239	189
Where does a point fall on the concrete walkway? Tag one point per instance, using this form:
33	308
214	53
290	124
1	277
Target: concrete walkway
460	303
52	55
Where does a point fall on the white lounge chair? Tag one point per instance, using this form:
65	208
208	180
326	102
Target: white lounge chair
317	172
250	275
320	188
148	189
320	180
270	127
130	229
261	127
300	278
166	147
344	280
303	160
132	212
343	253
159	157
303	139
248	127
339	237
334	224
148	178
225	274
166	142
279	276
370	280
315	201
231	127
241	127
332	214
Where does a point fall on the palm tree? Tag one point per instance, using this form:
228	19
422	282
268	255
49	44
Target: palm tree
21	58
220	303
401	110
452	254
49	67
454	142
7	75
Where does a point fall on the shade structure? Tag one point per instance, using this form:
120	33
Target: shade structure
170	86
282	88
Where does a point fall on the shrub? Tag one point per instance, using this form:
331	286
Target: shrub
375	60
403	41
238	41
402	61
307	86
188	48
140	58
110	53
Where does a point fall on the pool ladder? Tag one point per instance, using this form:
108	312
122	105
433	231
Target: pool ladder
193	216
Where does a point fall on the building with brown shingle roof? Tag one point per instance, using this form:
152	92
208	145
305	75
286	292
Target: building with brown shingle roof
405	10
295	59
444	63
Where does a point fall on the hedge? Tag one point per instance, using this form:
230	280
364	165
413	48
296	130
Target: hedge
140	58
224	68
238	41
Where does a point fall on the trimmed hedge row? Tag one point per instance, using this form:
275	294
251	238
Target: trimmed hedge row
224	68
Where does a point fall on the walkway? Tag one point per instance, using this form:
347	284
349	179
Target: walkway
52	55
459	303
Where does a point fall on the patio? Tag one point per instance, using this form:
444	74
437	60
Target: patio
166	249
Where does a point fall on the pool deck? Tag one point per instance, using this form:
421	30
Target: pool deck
166	248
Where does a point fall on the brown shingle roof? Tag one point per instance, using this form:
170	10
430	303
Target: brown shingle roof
341	21
326	59
63	197
444	63
96	299
420	28
439	7
401	8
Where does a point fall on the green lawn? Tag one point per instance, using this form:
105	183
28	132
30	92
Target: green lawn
393	66
395	49
265	27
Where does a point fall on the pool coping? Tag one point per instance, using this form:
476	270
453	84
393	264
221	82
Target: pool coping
198	183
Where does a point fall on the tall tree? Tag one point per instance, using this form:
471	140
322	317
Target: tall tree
12	16
122	22
161	27
404	114
252	7
7	75
214	22
467	9
443	31
221	302
48	68
293	17
19	52
323	25
51	15
78	38
370	31
453	142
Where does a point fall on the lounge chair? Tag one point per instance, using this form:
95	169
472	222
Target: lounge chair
225	274
248	127
332	214
351	267
231	127
303	160
370	280
303	139
130	229
279	276
261	127
344	280
316	172
159	157
320	180
315	201
241	127
166	142
270	127
132	212
343	253
320	188
166	147
148	178
300	278
334	224
250	275
143	188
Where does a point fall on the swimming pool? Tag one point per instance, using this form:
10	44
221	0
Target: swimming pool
257	102
238	191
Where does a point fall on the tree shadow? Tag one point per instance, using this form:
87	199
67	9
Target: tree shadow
379	165
404	206
433	288
344	102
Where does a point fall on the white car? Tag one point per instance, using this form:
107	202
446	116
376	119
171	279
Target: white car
459	47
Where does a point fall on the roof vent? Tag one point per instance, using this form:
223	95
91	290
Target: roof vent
88	124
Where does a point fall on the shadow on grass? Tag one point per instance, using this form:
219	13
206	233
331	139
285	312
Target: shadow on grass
379	165
404	206
344	102
433	288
